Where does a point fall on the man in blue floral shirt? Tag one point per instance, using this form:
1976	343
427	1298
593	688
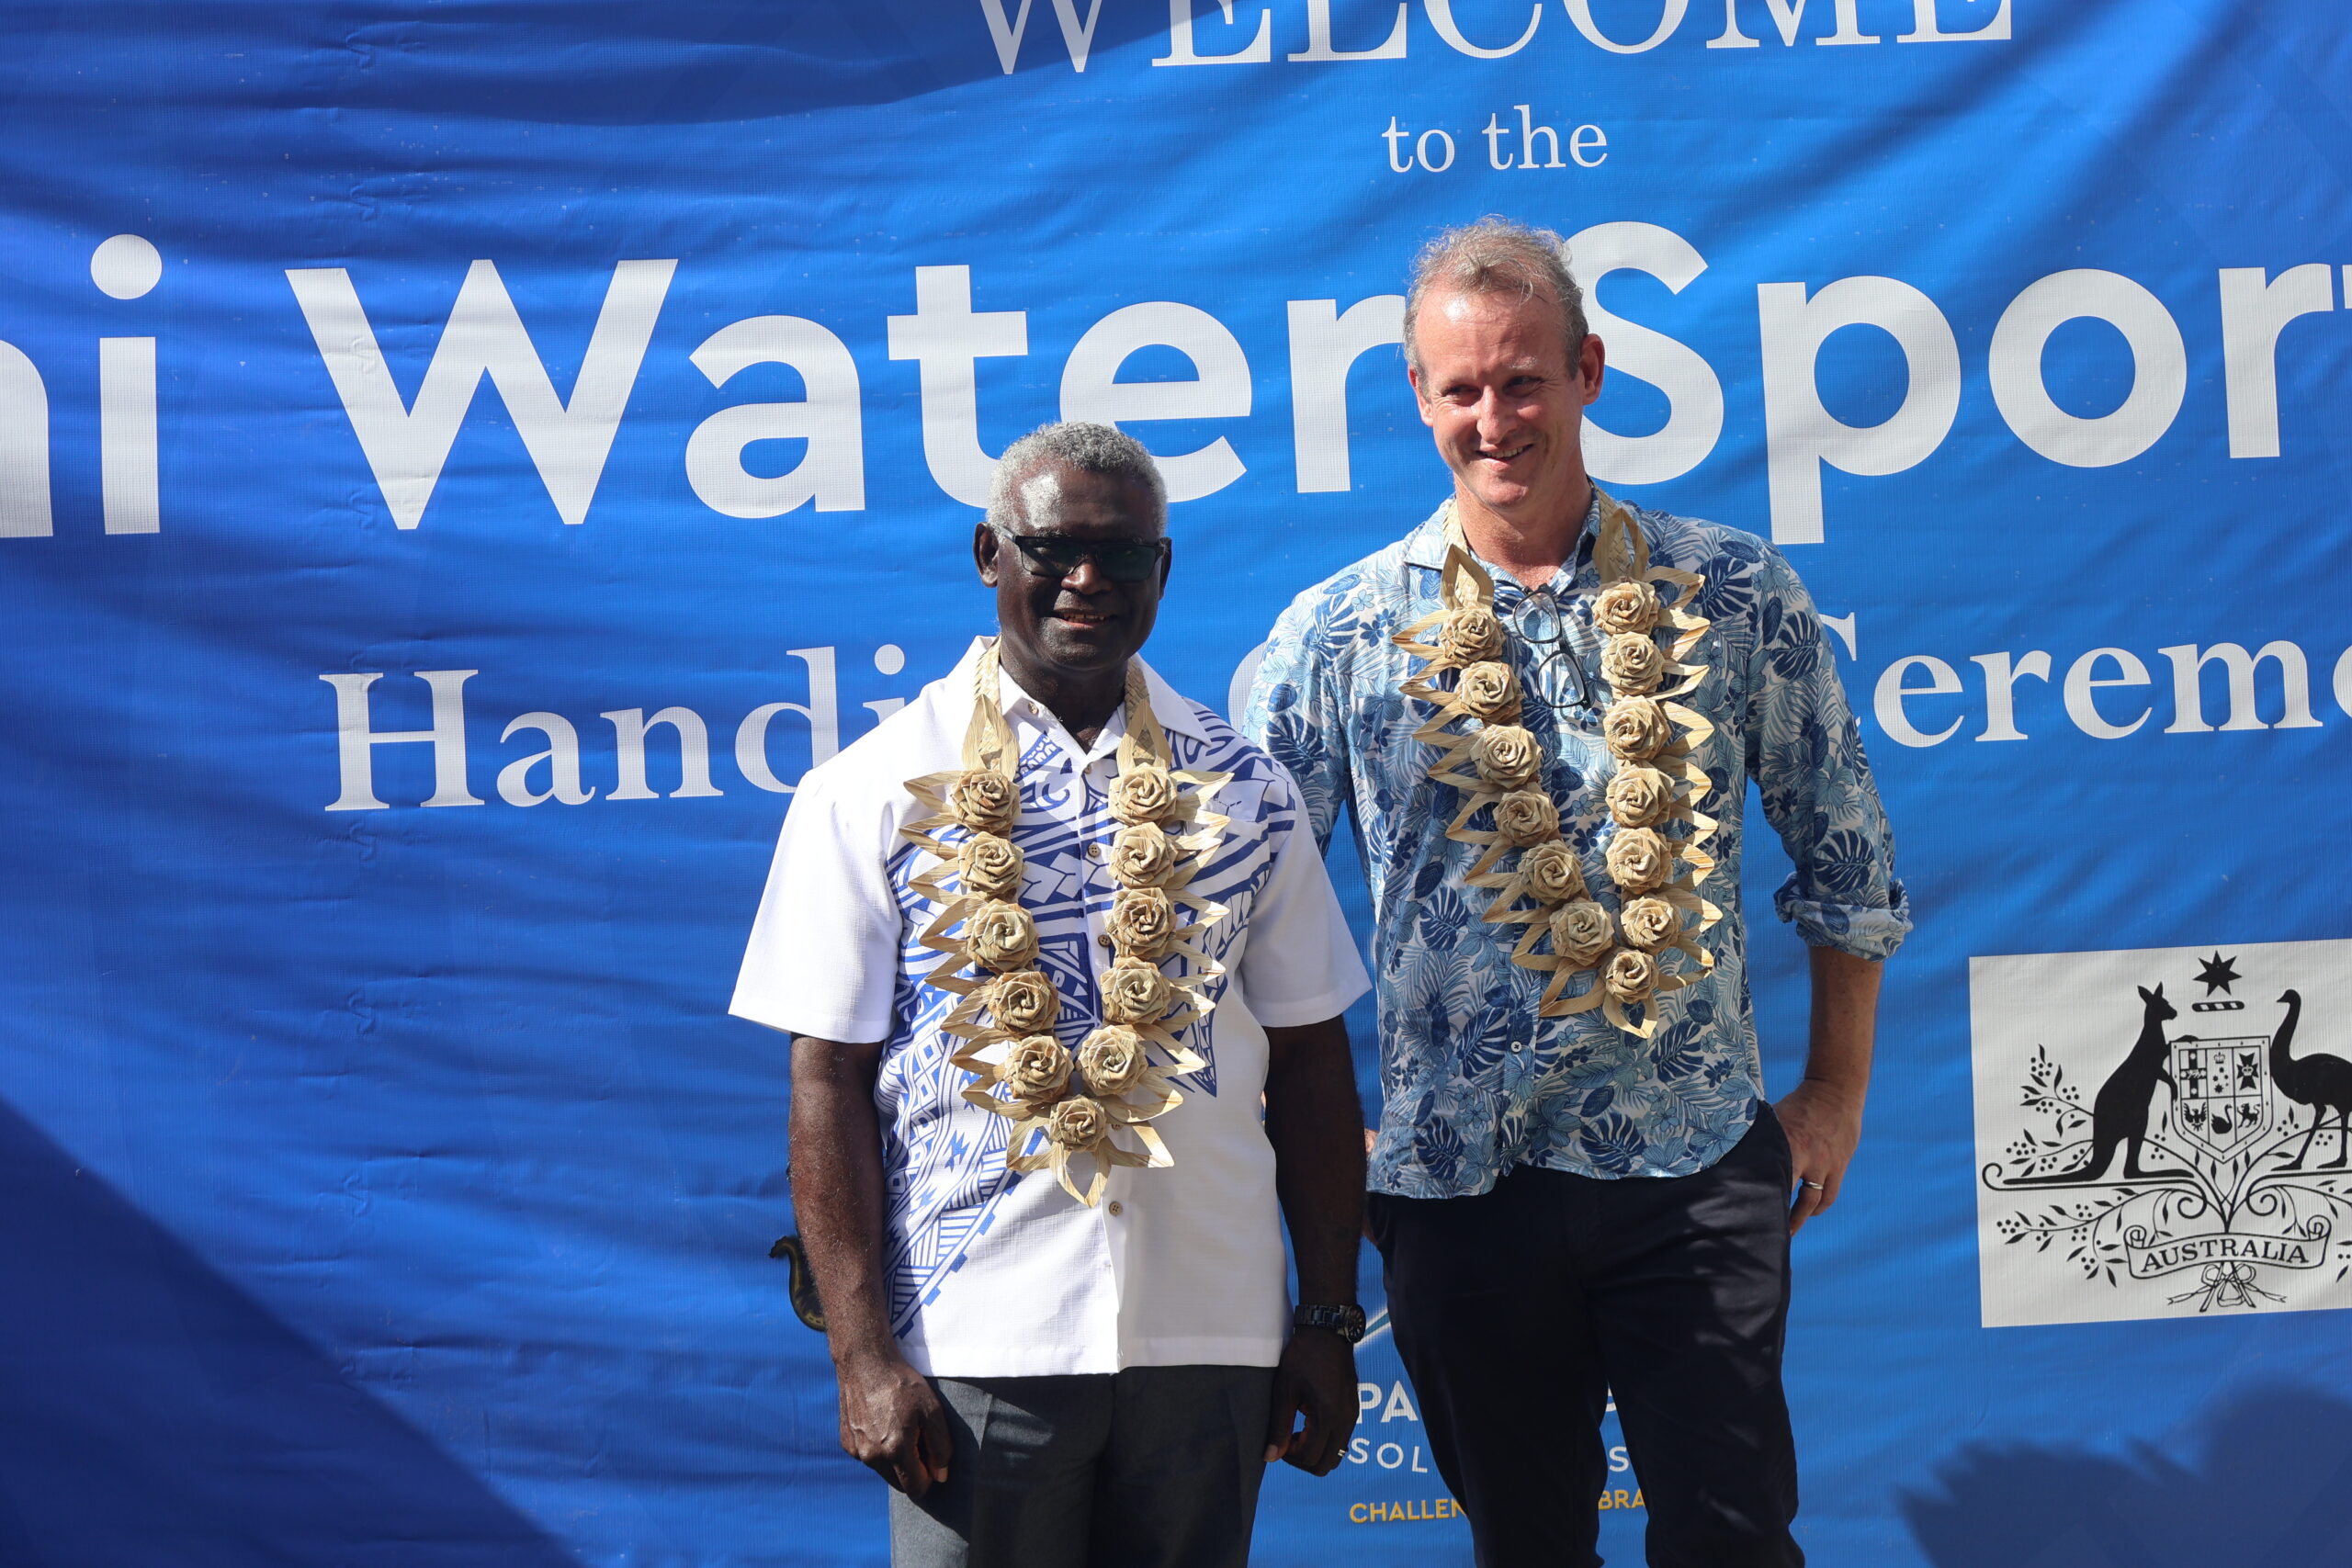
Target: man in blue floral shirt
1566	1207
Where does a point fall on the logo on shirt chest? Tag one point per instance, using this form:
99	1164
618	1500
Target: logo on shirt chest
2163	1132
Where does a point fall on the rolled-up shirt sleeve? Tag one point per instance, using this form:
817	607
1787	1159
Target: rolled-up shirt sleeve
1805	752
823	956
1301	965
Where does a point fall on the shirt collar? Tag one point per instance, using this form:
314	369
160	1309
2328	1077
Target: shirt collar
1425	546
1168	704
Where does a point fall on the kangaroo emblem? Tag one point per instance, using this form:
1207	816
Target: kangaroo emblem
2120	1111
2319	1080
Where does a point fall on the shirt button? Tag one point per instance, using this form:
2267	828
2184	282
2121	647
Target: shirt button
1115	1208
1518	1045
1103	940
1094	851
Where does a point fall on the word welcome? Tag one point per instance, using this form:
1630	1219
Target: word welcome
1237	36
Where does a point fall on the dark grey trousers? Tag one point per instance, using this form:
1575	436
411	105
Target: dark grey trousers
1154	1467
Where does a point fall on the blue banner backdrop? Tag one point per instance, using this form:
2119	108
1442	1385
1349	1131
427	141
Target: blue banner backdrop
460	462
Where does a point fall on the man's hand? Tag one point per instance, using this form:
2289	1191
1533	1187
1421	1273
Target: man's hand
893	1424
1823	1127
1823	1116
1317	1379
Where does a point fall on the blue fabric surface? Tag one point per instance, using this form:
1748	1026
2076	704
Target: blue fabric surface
387	1183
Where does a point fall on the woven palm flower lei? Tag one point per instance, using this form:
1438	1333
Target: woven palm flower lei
1066	1103
1654	858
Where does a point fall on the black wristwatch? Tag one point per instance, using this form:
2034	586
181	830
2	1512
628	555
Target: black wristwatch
1347	1322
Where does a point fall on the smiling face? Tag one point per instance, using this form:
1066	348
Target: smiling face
1504	403
1082	625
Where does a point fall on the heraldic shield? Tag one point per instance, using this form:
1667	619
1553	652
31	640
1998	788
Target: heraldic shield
2222	1100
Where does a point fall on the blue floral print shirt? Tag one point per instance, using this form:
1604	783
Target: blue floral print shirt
1475	1083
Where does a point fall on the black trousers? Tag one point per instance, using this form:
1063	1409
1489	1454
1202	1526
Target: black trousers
1519	1311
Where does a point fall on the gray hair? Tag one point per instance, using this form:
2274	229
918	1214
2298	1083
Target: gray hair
1089	448
1496	256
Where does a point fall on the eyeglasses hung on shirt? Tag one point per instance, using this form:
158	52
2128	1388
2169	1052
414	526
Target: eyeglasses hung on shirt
1055	556
1556	674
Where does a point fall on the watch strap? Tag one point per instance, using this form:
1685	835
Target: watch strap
1347	1322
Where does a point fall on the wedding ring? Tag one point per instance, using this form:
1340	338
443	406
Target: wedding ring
1816	1186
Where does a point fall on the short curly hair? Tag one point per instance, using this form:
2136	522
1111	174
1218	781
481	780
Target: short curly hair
1088	447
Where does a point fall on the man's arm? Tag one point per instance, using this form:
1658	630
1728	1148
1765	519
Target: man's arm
1823	1116
1316	1126
891	1420
1805	753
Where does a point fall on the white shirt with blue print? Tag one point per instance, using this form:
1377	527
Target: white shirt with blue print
992	1274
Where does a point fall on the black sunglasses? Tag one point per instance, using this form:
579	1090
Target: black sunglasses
1051	557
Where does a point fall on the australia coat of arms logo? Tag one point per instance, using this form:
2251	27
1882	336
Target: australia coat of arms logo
2163	1132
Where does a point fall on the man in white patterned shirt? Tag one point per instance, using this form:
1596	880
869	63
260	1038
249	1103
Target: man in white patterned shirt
1044	1382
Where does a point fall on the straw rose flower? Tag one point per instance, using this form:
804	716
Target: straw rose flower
1636	728
1650	923
984	800
1135	992
1630	976
1581	932
1143	793
1023	1002
1506	756
1112	1061
1035	1069
1552	872
1469	635
1077	1123
1490	691
1640	859
1142	923
988	866
1143	856
1625	607
1631	662
1526	816
1002	935
1640	798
